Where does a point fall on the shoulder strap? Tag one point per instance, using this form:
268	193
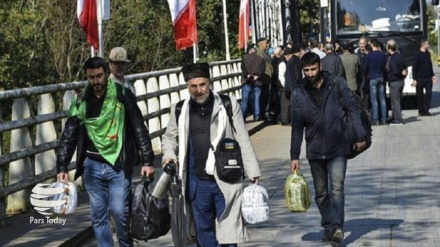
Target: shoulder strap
178	110
226	101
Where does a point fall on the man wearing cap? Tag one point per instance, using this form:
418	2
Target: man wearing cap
263	46
194	129
107	130
252	69
119	64
284	101
293	70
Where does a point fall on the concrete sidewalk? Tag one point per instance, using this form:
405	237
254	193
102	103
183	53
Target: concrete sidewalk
391	190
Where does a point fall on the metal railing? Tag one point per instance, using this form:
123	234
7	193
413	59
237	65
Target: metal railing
38	115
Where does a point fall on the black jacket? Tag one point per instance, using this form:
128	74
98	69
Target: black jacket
326	131
136	140
293	73
397	65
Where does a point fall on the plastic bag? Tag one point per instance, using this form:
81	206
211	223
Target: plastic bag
255	204
69	195
297	193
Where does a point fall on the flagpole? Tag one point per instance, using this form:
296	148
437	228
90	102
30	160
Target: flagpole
228	56
195	52
100	34
246	26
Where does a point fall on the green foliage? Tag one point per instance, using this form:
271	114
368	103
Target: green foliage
42	42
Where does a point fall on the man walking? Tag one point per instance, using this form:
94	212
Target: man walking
320	106
424	77
107	129
396	72
252	68
119	65
195	127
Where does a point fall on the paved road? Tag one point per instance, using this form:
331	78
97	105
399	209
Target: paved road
392	194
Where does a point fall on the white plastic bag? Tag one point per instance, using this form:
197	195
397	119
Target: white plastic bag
255	204
69	196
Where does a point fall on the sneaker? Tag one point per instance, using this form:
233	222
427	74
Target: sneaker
337	237
395	123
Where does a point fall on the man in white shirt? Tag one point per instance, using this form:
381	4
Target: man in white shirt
119	65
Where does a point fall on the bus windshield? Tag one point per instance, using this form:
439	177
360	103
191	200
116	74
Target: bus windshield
354	16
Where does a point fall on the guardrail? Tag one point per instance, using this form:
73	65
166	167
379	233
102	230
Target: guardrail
38	115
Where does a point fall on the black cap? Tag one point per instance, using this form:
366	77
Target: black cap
195	70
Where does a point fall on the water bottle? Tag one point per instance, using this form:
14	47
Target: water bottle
162	181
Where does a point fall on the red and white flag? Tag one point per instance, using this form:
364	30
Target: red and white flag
243	28
183	14
87	16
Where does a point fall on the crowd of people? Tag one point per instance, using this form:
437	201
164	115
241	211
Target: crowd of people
310	88
366	69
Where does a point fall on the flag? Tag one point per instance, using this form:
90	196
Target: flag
86	13
243	29
183	15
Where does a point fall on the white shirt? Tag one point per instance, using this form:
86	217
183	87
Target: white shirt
282	73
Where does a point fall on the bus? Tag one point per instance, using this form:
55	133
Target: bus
402	20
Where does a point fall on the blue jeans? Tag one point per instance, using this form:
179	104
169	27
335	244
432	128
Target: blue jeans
328	180
245	96
108	190
207	205
377	89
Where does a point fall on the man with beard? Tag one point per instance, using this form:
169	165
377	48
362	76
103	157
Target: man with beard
320	105
191	138
107	129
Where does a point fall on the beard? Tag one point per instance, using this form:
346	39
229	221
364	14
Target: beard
314	79
200	98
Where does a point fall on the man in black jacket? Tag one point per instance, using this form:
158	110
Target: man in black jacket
318	106
107	129
396	72
423	76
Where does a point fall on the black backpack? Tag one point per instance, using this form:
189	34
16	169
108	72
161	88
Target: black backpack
365	120
150	217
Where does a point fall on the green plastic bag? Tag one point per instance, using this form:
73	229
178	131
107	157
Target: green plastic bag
297	193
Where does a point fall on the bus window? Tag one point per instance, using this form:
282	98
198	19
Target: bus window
378	15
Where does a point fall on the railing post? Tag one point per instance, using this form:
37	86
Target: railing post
153	106
45	133
3	221
20	169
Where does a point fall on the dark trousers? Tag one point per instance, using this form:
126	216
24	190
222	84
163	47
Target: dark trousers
207	205
396	90
264	100
424	99
285	106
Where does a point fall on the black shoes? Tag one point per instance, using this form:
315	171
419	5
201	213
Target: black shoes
337	237
427	114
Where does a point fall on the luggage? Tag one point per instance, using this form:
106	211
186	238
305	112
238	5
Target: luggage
150	217
255	204
297	193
